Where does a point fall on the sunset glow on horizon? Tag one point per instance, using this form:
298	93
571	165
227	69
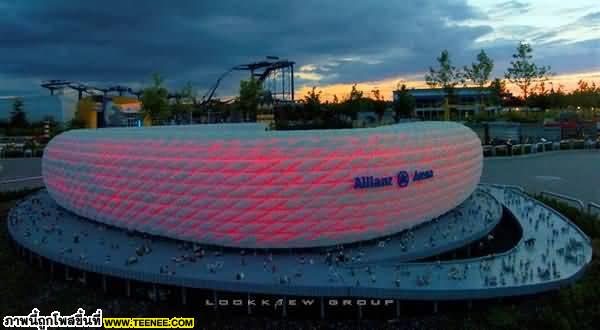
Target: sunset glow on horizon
567	82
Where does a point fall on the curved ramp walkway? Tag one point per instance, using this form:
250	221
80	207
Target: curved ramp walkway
552	252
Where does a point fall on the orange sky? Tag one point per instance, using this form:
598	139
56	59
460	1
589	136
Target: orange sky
568	81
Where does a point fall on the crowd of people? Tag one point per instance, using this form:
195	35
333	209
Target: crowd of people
548	245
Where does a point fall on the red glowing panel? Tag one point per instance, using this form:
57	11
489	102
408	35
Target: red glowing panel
239	185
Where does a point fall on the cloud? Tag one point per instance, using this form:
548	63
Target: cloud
123	42
511	7
591	18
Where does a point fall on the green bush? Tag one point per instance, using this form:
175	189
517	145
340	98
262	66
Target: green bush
578	145
516	151
565	145
500	152
540	147
527	150
589	223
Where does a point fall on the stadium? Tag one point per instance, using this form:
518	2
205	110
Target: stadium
395	213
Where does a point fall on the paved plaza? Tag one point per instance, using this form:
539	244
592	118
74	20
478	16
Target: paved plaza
573	173
17	168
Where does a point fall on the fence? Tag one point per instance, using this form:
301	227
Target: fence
591	206
579	202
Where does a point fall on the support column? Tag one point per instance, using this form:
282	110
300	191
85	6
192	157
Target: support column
469	305
40	262
215	299
83	278
435	307
247	303
469	251
397	309
67	277
359	312
322	309
183	296
104	283
155	292
128	288
284	311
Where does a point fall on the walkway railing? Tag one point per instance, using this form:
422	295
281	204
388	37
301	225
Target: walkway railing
579	202
493	151
506	186
591	206
30	178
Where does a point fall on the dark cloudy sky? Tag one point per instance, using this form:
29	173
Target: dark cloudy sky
334	43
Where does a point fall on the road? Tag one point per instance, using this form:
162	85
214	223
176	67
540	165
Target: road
574	173
14	168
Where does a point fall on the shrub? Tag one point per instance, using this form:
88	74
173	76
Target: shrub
6	196
589	223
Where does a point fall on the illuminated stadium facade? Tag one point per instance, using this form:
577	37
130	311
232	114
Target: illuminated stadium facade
333	213
264	189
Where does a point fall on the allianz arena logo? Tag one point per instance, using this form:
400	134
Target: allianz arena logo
402	179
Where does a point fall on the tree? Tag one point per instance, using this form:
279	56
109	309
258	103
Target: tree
378	103
183	105
312	97
499	92
446	77
155	105
353	103
523	71
250	93
18	117
312	104
587	96
404	103
479	73
355	94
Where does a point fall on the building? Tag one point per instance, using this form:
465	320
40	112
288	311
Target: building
464	102
61	107
287	188
236	210
573	127
110	111
501	132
